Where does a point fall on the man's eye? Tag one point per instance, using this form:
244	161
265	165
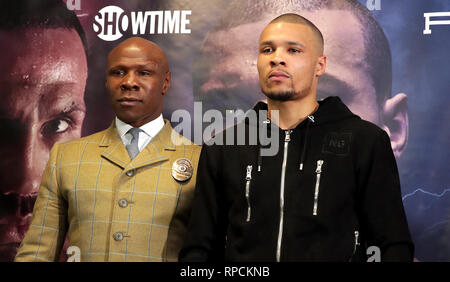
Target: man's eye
144	73
117	72
294	50
266	50
56	126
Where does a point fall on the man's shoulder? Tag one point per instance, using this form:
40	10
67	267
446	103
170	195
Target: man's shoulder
367	128
359	127
92	138
181	142
367	134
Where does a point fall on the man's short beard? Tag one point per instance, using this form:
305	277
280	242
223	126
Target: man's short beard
280	96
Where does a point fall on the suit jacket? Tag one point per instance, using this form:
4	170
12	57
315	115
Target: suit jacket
112	209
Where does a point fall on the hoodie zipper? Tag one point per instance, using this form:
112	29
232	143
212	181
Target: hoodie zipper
248	179
316	190
287	138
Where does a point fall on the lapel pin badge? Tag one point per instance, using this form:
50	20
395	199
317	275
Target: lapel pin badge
182	169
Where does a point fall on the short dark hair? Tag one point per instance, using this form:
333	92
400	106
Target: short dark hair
40	13
297	19
377	50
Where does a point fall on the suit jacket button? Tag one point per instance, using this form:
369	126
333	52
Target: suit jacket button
123	203
130	173
118	236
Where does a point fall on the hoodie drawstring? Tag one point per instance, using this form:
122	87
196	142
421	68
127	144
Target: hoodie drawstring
259	159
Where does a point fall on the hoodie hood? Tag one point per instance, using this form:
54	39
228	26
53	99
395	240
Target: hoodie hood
330	109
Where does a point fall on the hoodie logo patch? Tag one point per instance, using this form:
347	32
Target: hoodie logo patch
337	143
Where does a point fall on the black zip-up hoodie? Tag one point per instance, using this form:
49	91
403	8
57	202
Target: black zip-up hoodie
338	193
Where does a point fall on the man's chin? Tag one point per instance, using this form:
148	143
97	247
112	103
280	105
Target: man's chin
11	235
8	251
279	96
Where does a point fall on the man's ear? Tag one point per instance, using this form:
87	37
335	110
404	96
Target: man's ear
321	64
395	122
166	84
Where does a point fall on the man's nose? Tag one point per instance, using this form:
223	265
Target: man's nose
35	154
129	82
277	59
23	162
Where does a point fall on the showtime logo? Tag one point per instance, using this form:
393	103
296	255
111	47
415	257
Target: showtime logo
111	22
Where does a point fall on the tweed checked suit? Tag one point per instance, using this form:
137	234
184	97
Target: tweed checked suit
82	185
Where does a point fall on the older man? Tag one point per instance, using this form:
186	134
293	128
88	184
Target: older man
122	194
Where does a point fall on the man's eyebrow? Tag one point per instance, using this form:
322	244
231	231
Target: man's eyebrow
57	99
295	43
264	43
338	86
127	65
62	109
336	81
74	107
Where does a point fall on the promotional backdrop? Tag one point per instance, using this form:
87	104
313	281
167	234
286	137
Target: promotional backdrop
387	60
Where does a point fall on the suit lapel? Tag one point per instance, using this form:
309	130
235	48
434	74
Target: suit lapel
156	151
114	151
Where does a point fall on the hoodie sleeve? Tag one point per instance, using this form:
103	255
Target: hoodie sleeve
383	218
205	240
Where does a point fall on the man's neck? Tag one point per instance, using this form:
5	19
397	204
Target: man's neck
292	113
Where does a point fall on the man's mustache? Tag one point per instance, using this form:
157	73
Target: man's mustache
16	204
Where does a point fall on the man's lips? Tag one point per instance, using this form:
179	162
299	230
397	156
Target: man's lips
129	101
278	76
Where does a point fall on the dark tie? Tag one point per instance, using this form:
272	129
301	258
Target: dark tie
133	148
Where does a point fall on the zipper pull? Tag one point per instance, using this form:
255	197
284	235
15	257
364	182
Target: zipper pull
319	166
316	190
249	172
248	178
356	238
287	136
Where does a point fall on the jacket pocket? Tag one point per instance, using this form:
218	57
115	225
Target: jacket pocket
317	186
248	179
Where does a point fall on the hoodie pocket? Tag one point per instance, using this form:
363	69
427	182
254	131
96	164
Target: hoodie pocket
317	186
248	180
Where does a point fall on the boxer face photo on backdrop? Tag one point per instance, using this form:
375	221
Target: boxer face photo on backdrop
42	103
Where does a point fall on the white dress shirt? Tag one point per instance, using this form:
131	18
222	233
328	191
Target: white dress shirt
148	131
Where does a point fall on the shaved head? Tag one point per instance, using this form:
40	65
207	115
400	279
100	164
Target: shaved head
137	78
151	50
297	19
